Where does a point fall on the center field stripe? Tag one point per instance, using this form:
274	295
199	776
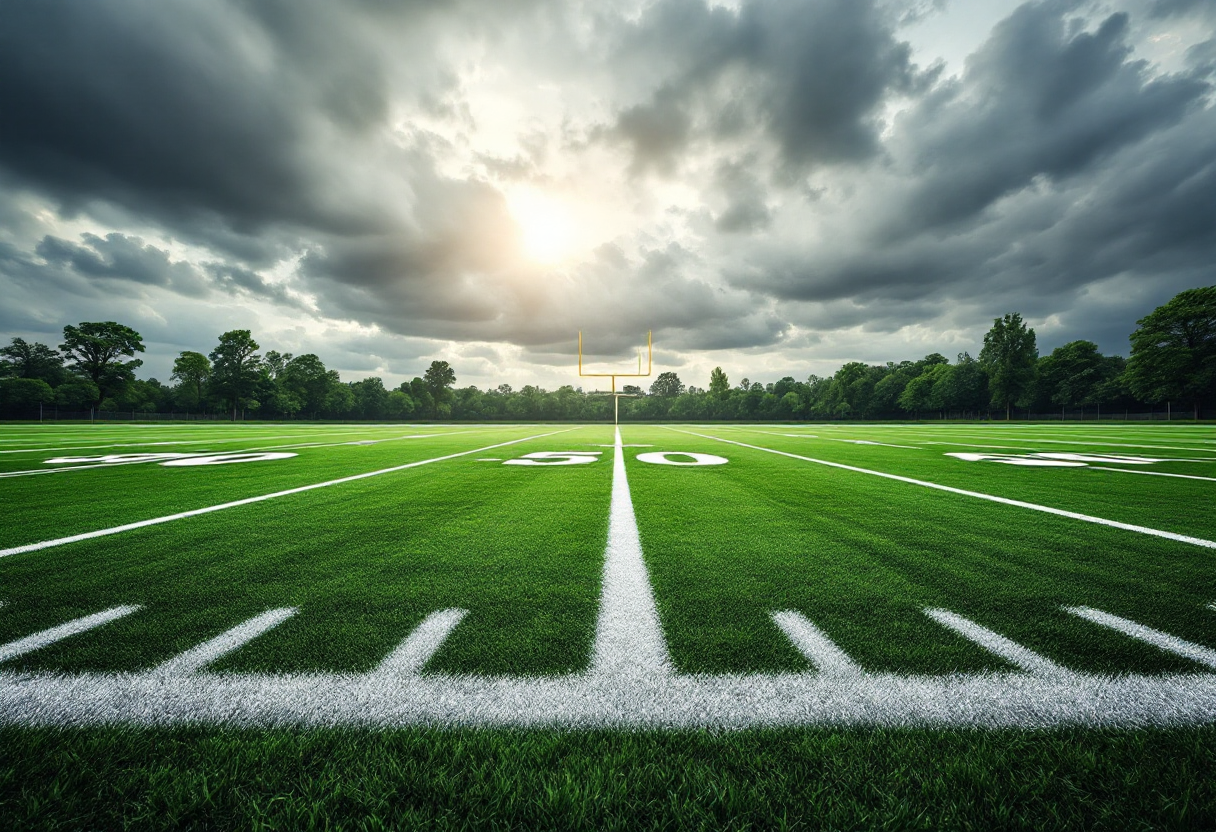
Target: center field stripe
197	658
47	637
628	639
1072	515
47	544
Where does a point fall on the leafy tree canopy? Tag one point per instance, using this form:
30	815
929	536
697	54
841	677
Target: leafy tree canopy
1174	350
1008	357
25	360
95	349
667	385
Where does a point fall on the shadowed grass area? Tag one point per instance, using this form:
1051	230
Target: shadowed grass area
480	779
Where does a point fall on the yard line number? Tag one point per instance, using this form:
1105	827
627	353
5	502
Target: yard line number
678	458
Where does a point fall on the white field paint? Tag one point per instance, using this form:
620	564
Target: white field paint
547	459
1024	461
630	683
1171	644
80	625
138	459
195	659
409	656
1059	512
396	694
814	644
665	458
1012	652
848	441
1039	440
47	544
628	638
225	459
1154	473
212	441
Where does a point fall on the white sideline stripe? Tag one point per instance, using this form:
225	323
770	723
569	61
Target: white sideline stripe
1154	473
628	638
408	658
1072	515
47	544
196	658
79	625
813	643
1010	651
1170	644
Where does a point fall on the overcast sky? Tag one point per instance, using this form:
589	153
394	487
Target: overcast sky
773	186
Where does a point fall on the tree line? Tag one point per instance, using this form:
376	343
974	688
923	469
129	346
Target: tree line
1172	362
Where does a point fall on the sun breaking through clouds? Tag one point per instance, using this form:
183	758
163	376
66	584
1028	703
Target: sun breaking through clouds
775	185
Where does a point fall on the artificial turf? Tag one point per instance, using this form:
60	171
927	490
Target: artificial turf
522	548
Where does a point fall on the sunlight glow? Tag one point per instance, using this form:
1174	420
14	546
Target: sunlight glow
546	226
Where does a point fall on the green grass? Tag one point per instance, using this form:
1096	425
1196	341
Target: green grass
522	549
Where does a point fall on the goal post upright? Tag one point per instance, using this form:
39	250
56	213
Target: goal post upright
616	397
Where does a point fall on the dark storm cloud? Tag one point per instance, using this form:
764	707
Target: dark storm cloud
182	109
1055	162
1036	101
116	257
1056	168
812	75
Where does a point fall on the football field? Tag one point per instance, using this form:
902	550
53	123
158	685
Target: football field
951	625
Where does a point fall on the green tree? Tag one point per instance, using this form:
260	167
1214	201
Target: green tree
77	394
24	394
1070	375
371	398
667	385
191	371
305	377
1008	357
95	350
439	379
25	360
719	384
1174	350
234	367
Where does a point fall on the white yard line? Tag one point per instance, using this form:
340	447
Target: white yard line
195	659
1012	652
47	544
1072	515
47	637
1171	644
1154	473
814	644
409	657
628	638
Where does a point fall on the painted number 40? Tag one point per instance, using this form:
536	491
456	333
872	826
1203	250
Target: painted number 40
681	458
